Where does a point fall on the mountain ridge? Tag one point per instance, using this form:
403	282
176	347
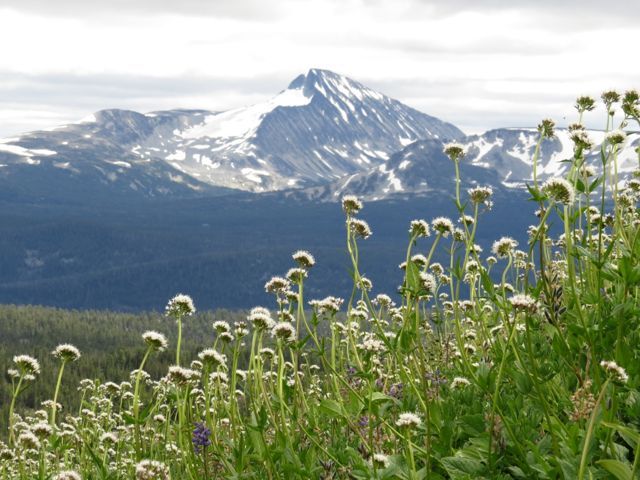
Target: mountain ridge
321	127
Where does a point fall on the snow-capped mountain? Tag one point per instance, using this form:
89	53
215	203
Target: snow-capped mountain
509	152
322	127
421	168
501	158
93	159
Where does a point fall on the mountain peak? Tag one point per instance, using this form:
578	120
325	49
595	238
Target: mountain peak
331	84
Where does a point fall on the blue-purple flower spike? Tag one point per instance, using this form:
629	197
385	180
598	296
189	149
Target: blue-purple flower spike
201	435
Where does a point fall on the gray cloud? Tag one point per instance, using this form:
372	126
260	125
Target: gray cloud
587	13
29	102
578	8
546	14
49	100
87	90
250	9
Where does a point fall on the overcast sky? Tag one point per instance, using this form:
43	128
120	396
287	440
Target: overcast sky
477	63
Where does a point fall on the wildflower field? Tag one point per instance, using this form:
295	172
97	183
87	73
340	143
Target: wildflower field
519	365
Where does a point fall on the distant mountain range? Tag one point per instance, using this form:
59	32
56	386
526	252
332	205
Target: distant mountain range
123	209
324	132
321	128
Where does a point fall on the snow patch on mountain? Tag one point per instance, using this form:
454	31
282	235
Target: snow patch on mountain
243	122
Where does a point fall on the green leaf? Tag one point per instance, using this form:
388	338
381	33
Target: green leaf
98	462
130	420
332	408
630	436
473	424
381	397
618	469
595	184
536	195
254	432
413	277
462	467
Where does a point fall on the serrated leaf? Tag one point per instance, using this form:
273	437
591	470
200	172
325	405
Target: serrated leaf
461	467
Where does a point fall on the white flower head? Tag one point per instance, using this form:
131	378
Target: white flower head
616	137
615	370
351	204
360	228
581	139
428	282
296	275
26	365
329	305
68	475
66	352
220	326
559	190
381	460
277	285
419	228
109	437
180	375
504	247
442	225
152	470
28	440
155	340
455	151
42	430
409	420
459	382
546	128
261	319
284	331
524	303
480	194
304	259
180	306
212	357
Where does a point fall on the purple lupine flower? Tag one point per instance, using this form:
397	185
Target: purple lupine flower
396	390
436	377
201	436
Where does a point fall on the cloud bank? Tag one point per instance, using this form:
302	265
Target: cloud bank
477	64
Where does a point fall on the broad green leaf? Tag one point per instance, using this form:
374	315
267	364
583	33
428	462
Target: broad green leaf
461	467
620	470
332	408
630	436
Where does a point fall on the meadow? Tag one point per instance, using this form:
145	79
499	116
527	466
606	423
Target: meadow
519	363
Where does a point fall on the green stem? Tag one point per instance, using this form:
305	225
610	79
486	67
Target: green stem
412	463
536	153
136	403
55	395
12	438
590	429
179	341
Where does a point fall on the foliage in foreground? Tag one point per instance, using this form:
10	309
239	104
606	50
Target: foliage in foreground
109	342
535	376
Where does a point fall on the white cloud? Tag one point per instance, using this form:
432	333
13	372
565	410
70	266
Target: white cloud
478	67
